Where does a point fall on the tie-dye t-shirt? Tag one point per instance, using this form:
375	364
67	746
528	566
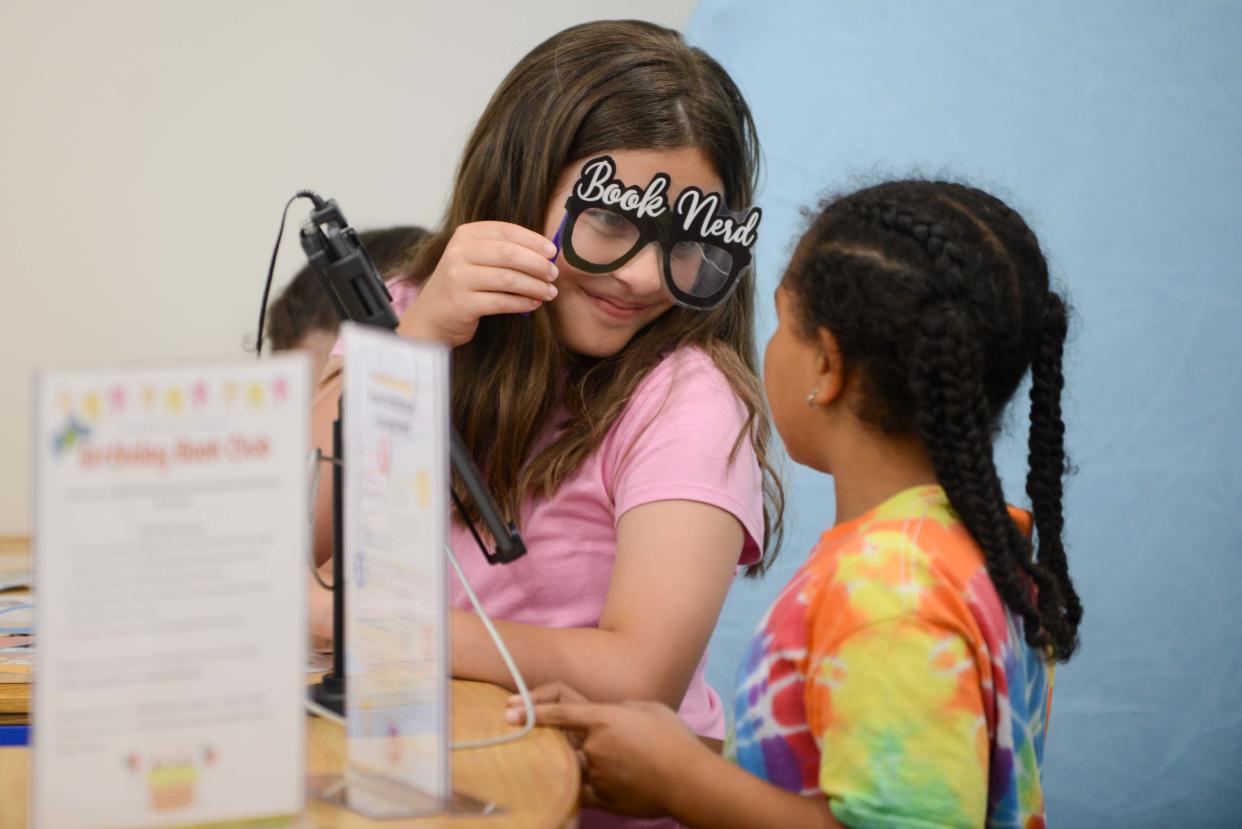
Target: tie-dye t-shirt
889	676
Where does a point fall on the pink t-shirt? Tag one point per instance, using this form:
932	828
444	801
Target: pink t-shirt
672	442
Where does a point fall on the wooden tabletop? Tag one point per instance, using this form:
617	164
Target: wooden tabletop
534	780
14	694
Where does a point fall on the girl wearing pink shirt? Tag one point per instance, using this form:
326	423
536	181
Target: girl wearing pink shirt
607	388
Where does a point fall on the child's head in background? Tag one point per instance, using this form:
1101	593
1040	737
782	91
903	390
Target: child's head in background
913	309
303	316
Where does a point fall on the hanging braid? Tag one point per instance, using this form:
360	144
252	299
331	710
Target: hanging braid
954	424
1046	459
939	294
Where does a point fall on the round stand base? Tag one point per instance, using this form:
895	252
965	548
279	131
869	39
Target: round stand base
330	693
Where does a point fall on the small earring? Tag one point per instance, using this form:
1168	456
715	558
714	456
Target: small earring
810	398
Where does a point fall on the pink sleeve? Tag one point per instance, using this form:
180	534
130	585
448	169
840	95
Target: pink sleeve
402	290
674	442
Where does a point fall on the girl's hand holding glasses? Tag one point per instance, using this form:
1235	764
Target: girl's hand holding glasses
487	268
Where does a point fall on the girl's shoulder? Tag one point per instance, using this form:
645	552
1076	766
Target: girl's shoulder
686	377
910	557
687	395
684	411
684	436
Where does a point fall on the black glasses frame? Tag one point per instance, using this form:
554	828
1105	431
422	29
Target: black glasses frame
667	232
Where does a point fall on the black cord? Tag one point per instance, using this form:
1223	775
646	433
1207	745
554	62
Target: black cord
461	510
271	268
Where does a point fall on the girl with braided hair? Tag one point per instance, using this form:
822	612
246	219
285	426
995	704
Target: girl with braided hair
903	676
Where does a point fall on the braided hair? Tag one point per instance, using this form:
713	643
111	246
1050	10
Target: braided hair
939	294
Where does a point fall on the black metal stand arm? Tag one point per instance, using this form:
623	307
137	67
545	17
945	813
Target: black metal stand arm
351	279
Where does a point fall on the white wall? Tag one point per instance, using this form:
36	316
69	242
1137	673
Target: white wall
146	149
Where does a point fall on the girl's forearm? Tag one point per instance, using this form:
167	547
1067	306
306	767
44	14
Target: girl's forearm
713	792
603	665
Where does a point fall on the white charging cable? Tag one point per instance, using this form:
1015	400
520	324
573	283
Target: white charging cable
518	681
514	672
326	713
316	457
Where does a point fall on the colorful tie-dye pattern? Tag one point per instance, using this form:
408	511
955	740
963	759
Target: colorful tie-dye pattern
890	676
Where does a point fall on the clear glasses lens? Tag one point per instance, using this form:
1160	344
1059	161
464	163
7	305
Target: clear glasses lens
602	237
699	269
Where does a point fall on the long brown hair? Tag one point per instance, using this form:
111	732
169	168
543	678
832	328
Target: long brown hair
606	85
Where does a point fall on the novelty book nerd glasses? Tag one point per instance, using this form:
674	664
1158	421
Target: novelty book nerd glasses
705	248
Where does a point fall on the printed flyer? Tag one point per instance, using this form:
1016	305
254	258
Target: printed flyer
171	540
396	437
